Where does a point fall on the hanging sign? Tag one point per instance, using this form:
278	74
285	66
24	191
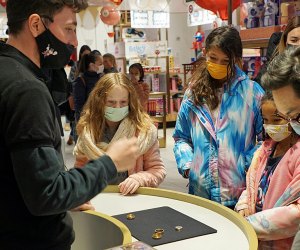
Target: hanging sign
150	19
198	16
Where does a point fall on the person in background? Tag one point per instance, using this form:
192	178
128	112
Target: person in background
136	72
111	113
37	190
272	44
290	36
218	122
73	74
271	201
90	70
84	49
110	64
279	41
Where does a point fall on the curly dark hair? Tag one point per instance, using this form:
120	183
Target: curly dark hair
203	86
18	11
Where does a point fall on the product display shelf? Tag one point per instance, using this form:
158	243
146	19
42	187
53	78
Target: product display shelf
161	118
165	71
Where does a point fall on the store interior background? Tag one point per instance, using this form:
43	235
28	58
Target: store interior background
179	38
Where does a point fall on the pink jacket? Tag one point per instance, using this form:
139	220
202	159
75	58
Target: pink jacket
278	222
149	169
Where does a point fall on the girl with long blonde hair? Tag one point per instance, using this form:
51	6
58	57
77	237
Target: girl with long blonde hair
113	111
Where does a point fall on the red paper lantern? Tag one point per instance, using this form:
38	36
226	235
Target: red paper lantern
110	34
109	15
117	2
219	7
3	3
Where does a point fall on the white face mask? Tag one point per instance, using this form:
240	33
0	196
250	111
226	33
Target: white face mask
135	77
100	69
277	132
116	114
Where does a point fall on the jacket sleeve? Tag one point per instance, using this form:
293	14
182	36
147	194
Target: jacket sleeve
183	148
154	170
47	189
242	202
79	93
257	123
276	223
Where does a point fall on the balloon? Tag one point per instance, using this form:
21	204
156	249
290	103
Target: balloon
109	15
117	2
110	34
219	7
3	3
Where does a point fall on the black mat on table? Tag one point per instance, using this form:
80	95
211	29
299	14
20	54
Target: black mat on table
146	221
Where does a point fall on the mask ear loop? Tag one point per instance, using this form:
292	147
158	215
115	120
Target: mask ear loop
48	18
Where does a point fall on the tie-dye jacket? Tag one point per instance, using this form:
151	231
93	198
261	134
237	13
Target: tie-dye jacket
279	221
219	154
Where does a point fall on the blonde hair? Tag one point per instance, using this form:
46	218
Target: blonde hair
111	58
93	112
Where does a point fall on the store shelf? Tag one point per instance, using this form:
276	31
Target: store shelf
171	117
175	92
161	118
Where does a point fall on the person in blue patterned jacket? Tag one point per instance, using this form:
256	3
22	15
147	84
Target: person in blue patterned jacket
219	121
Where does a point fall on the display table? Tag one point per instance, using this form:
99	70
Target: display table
95	230
233	231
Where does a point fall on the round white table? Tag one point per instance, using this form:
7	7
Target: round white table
233	231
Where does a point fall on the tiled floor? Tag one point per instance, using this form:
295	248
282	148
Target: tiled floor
173	181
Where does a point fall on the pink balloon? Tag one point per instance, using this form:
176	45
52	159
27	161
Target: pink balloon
116	2
109	15
3	3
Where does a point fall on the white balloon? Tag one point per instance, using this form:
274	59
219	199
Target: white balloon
141	4
99	2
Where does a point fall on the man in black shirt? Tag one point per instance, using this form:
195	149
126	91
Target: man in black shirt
35	190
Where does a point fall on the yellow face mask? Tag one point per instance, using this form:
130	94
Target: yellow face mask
217	71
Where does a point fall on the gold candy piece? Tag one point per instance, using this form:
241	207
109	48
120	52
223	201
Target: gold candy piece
157	235
178	228
159	230
130	216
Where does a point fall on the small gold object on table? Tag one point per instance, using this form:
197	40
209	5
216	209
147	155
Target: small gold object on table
157	235
130	216
159	230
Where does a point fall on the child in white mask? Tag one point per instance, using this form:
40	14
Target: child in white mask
271	201
136	72
112	112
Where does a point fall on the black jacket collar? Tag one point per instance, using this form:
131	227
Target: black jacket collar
7	50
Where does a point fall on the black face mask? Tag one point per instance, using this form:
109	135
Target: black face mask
54	54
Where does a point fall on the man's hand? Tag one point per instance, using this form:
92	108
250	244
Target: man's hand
123	153
129	186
